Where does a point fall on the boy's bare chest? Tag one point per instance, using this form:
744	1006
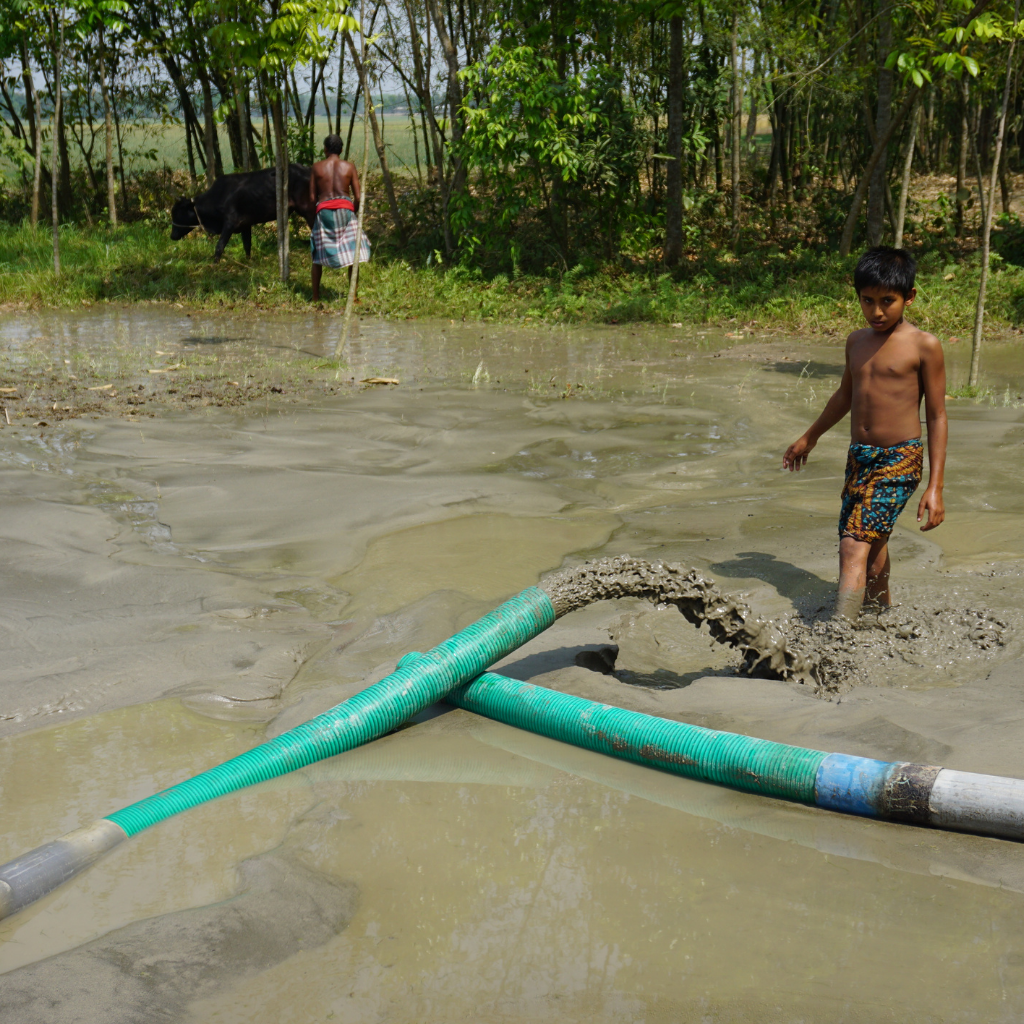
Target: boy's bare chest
892	361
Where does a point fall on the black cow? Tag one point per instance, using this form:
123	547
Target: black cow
237	201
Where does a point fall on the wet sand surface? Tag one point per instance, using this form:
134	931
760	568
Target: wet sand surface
178	588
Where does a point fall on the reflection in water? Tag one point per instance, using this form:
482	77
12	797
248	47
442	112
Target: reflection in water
260	566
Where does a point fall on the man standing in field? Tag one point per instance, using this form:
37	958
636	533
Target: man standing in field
891	365
334	188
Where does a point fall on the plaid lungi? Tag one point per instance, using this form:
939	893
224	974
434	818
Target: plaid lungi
333	242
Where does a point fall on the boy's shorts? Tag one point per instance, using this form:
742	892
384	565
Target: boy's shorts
879	483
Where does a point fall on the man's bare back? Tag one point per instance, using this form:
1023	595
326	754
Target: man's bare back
334	178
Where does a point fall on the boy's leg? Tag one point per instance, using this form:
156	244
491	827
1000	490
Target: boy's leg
853	573
317	274
877	583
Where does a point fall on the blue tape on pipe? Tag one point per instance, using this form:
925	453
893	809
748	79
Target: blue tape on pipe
851	784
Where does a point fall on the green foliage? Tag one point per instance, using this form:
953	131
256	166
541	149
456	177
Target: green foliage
13	156
565	145
274	38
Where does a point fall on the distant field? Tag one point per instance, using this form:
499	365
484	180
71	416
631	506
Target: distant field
168	142
149	145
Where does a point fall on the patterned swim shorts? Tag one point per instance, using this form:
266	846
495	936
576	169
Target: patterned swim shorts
879	483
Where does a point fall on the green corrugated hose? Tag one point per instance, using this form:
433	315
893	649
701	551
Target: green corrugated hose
375	711
743	762
371	713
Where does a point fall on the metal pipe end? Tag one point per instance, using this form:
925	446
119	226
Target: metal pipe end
34	874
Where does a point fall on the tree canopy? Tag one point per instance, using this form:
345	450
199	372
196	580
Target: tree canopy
546	134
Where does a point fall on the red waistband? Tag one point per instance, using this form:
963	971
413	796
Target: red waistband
336	204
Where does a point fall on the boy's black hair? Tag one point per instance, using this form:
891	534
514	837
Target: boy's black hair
332	144
882	266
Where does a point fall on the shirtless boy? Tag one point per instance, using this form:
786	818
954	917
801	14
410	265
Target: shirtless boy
890	367
333	241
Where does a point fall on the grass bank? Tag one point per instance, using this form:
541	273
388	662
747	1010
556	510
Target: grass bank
799	291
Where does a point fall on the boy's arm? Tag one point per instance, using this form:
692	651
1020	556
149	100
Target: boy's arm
933	382
835	409
313	191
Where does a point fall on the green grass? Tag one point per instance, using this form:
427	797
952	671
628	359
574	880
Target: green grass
969	391
1007	398
801	291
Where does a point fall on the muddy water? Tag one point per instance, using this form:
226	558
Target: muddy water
176	590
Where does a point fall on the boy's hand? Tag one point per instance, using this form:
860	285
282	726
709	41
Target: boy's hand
931	502
796	454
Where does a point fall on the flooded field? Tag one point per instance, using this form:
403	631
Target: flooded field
178	587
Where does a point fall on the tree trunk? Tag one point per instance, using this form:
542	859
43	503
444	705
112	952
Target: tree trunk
931	149
719	154
37	170
981	181
422	91
120	158
752	95
268	142
188	149
674	170
243	126
281	181
250	134
65	159
986	235
58	59
351	125
327	105
455	120
876	191
378	144
786	150
338	91
908	162
108	135
188	113
30	94
414	132
961	162
209	129
774	160
232	120
736	122
846	242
